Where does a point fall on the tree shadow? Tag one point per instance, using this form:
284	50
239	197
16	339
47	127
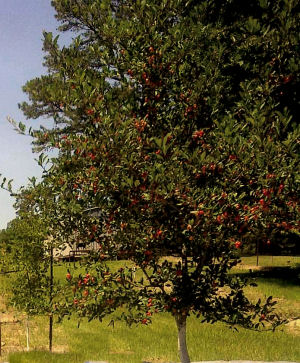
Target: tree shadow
283	276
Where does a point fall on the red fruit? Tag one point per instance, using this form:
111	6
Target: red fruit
151	49
200	213
219	219
225	215
86	293
232	157
157	152
262	317
261	202
145	321
238	244
198	134
75	301
68	276
90	111
130	72
148	313
287	79
270	176
268	242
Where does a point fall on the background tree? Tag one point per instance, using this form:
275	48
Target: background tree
27	251
176	120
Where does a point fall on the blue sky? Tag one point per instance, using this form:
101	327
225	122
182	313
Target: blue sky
21	25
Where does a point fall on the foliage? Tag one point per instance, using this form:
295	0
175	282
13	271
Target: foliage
177	134
23	254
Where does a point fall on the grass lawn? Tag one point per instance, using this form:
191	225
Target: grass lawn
158	341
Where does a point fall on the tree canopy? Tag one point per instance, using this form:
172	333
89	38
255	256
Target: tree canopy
177	120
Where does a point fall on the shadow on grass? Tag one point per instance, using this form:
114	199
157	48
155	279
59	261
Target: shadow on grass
44	357
284	276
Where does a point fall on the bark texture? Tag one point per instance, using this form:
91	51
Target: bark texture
182	347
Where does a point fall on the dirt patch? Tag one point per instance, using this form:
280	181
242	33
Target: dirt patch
293	327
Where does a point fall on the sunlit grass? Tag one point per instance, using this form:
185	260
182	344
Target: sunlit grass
158	341
271	261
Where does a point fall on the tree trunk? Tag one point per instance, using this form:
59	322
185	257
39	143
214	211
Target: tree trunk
50	300
27	333
50	332
182	348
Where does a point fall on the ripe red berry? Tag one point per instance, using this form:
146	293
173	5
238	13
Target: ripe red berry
238	244
68	276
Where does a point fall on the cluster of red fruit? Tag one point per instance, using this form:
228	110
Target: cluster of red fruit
140	125
198	134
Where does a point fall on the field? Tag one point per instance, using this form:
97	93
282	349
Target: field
158	342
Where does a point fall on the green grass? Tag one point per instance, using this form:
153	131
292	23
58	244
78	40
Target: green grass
158	341
95	341
270	261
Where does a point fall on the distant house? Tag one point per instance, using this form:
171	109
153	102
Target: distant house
74	251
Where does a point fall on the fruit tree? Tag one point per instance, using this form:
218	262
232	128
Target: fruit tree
176	130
